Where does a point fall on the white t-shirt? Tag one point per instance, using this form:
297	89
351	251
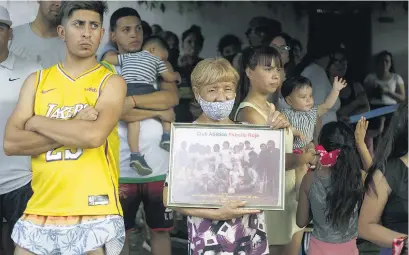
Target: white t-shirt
15	171
391	84
45	51
149	139
151	131
321	88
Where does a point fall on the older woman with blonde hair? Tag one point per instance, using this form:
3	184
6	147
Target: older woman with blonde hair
214	83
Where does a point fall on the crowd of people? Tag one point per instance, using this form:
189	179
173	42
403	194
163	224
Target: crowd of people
85	138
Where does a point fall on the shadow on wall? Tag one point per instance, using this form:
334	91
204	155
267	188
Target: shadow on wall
401	66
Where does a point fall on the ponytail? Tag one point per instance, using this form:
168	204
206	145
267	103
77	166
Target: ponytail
346	191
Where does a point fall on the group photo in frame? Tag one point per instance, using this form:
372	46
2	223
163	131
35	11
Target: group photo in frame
211	165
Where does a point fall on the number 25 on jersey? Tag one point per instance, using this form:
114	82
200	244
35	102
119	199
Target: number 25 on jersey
67	154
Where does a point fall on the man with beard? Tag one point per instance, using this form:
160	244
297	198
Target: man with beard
38	40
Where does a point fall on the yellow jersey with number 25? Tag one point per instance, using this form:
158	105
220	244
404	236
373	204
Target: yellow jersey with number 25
74	181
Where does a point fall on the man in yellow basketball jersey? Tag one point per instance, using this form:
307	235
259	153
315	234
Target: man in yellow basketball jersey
75	207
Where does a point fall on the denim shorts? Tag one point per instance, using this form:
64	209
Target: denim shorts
134	89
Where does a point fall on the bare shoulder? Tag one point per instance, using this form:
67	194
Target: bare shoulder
31	82
31	77
307	180
25	105
116	79
380	183
378	176
247	110
114	89
250	115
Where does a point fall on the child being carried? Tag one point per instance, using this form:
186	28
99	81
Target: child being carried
303	114
141	70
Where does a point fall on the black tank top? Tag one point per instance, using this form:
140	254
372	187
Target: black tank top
395	213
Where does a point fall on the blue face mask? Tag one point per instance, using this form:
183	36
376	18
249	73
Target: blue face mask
216	110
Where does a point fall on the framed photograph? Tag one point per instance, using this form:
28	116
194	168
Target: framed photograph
213	164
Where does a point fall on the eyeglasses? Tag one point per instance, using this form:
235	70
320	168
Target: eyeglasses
283	48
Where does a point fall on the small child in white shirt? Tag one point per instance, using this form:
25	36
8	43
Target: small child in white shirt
141	70
303	114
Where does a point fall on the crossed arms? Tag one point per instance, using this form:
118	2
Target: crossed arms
29	134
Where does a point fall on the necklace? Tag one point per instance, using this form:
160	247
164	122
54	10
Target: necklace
265	109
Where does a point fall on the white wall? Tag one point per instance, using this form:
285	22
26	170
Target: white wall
392	37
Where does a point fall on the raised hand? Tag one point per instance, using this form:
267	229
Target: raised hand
360	131
339	83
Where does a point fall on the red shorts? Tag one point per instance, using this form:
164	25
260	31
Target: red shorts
158	217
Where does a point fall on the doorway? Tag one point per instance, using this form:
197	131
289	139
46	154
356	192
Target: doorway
350	27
